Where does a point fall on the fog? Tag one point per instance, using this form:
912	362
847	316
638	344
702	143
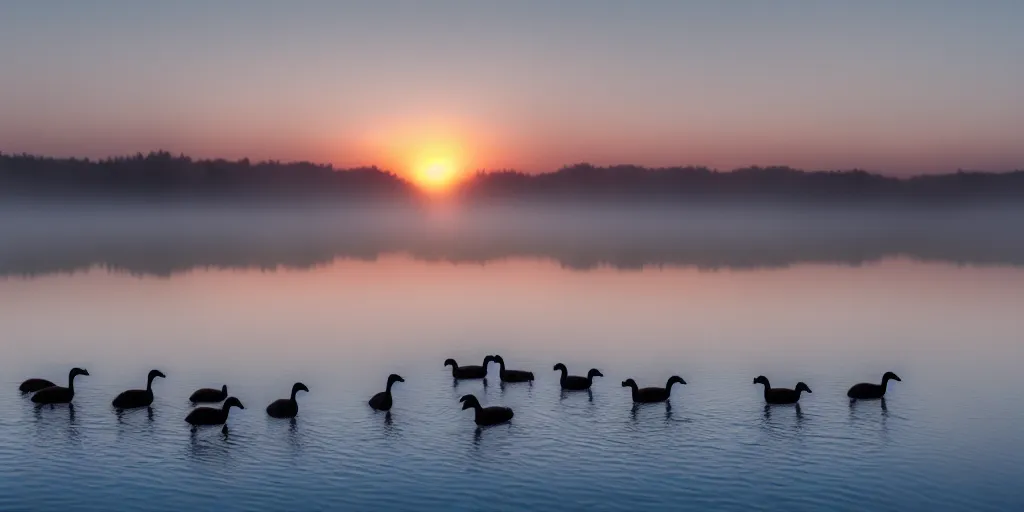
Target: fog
164	240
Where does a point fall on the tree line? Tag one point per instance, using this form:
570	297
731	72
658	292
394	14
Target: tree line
163	175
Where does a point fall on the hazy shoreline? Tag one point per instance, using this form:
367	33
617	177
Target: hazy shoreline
161	241
160	177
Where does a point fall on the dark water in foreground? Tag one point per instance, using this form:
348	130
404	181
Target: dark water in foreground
948	437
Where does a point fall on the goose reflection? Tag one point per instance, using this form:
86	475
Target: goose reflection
293	435
51	416
391	431
478	434
796	408
208	450
455	382
566	393
855	404
120	413
502	386
638	405
38	411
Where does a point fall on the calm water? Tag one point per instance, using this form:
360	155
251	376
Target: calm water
948	319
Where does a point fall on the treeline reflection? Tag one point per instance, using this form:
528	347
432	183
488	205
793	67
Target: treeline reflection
166	241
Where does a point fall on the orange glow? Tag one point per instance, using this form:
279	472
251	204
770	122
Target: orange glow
436	174
435	156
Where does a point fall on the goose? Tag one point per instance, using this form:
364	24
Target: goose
209	395
211	415
33	385
138	397
867	391
486	415
575	382
468	372
781	395
649	395
287	407
512	375
58	394
382	401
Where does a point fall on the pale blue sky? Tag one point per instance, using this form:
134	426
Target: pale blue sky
898	86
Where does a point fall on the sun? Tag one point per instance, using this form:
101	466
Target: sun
436	175
433	156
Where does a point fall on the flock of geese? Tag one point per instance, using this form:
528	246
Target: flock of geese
46	392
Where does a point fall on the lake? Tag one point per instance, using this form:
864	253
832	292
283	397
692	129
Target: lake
338	301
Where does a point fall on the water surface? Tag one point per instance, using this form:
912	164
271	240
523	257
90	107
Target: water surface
946	438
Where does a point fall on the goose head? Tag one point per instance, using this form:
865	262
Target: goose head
298	386
561	367
393	378
233	402
891	376
800	386
594	372
154	374
469	402
674	379
761	379
451	362
629	383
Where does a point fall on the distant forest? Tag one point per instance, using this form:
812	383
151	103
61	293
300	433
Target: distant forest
163	176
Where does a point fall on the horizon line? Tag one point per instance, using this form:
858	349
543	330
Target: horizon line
469	173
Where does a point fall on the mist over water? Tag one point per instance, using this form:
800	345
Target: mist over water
163	240
338	298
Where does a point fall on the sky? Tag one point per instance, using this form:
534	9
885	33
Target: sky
901	86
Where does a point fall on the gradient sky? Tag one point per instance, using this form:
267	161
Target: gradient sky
896	86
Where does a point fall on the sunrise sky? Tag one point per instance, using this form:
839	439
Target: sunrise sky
423	87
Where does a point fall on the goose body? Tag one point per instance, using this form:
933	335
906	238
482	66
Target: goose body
212	415
287	407
485	416
382	401
33	385
59	394
650	395
868	391
781	395
138	397
575	382
468	372
512	375
209	395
